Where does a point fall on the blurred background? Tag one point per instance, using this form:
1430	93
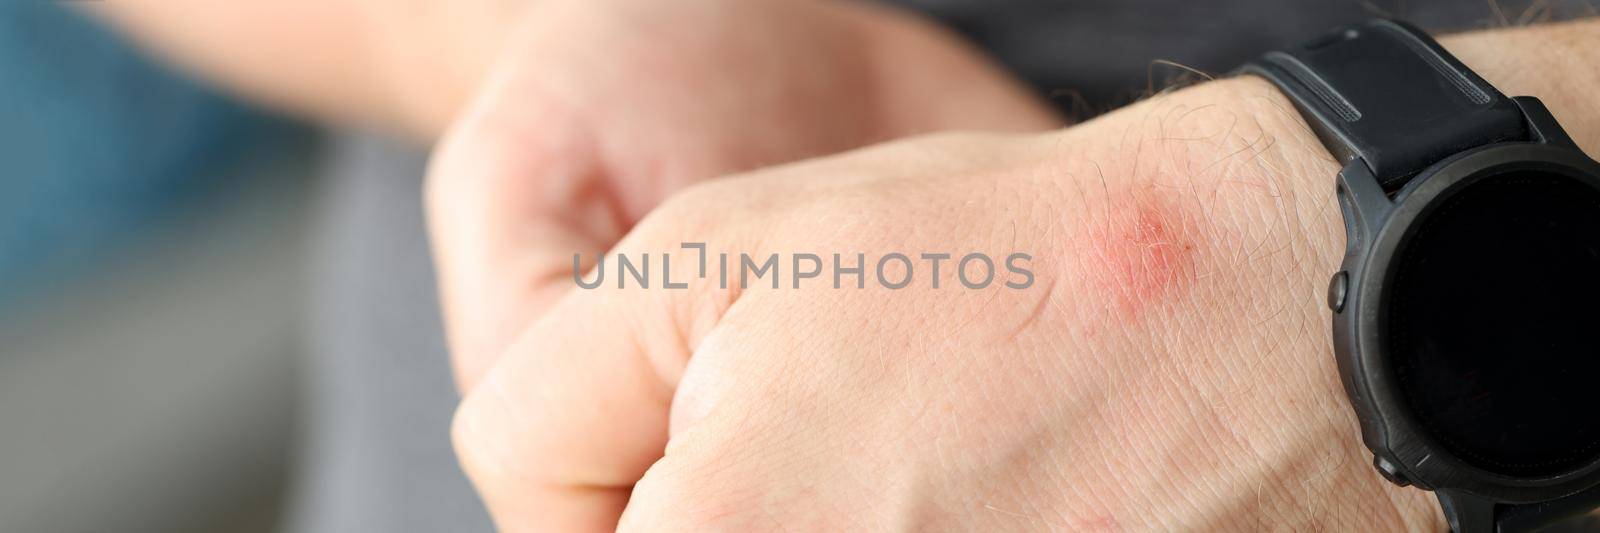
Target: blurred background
152	271
152	264
167	258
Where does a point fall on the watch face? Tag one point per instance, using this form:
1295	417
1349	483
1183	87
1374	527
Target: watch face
1492	323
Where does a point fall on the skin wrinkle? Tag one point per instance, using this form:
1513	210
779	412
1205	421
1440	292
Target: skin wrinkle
1284	213
1011	458
1143	236
1147	230
1204	201
1292	222
1291	207
1043	391
1040	309
1216	406
1150	252
1043	433
1242	256
1035	313
1176	478
1231	162
1212	414
1143	250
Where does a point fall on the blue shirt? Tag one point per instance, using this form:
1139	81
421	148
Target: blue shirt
97	141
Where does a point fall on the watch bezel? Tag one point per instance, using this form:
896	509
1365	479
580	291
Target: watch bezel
1388	424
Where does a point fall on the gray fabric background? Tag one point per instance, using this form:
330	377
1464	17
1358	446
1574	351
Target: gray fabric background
376	456
375	451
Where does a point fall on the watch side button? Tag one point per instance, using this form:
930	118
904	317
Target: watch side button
1390	471
1338	290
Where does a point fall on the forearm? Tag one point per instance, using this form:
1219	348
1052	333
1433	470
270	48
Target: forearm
406	65
1558	63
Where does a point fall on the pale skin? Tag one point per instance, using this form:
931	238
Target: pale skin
1169	370
585	114
628	102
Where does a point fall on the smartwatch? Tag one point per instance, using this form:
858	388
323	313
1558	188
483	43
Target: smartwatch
1466	312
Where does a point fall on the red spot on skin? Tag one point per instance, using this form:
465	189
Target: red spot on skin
1140	252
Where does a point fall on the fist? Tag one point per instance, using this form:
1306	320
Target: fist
598	110
1165	368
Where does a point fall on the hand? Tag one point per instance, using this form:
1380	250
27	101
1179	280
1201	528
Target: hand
1168	368
603	108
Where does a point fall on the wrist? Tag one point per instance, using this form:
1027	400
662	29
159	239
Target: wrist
1252	167
1217	201
1201	232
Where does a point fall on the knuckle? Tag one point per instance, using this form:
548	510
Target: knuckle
699	212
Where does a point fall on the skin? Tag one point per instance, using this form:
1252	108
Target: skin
600	110
414	66
1169	370
563	122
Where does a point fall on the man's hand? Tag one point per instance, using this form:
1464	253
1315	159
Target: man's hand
1168	368
605	108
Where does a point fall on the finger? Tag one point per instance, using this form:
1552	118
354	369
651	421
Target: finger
513	194
577	409
556	435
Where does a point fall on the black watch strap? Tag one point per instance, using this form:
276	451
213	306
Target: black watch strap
1471	514
1383	92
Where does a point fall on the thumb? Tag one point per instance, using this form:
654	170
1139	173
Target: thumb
576	410
514	191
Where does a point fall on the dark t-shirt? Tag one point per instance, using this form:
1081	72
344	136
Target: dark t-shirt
377	457
1110	52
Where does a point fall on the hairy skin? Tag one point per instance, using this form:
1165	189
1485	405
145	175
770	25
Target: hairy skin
1170	370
